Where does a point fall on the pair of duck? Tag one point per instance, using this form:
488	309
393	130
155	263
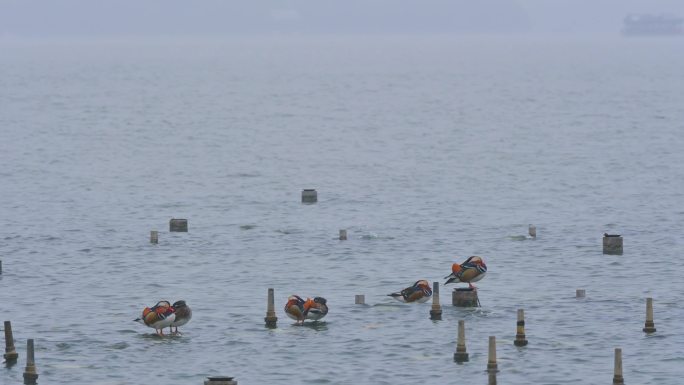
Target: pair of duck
312	308
472	270
164	314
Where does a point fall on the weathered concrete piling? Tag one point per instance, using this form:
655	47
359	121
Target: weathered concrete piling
154	237
11	354
465	297
617	372
30	374
532	230
580	293
649	326
360	299
178	225
309	195
436	310
492	366
612	244
520	339
220	380
461	355
271	318
343	235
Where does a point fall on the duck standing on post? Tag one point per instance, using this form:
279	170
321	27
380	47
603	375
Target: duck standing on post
158	316
420	292
298	309
472	270
183	315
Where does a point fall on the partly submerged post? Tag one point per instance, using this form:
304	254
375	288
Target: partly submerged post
492	367
465	297
178	225
617	372
343	235
220	380
612	244
154	237
580	293
436	310
649	326
30	374
309	195
520	339
359	299
461	355
11	354
532	230
271	318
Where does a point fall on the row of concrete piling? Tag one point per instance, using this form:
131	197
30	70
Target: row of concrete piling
11	356
461	354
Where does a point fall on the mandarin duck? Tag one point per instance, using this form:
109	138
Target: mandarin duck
472	270
183	315
420	292
158	316
300	310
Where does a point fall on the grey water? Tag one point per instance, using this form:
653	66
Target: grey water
427	150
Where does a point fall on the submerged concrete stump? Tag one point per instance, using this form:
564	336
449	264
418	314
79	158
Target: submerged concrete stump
11	354
271	318
309	196
178	225
343	235
532	230
492	366
461	355
580	293
649	326
612	244
154	237
220	380
359	299
465	297
520	339
436	310
617	372
30	374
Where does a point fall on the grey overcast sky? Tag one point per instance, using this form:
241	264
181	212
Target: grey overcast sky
130	18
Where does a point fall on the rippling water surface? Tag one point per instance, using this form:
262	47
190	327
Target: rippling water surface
426	150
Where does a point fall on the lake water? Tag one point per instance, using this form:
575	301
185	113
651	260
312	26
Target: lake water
427	150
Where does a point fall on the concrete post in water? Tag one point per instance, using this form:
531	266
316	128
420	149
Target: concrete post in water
461	355
30	374
271	318
465	297
436	310
520	339
492	367
360	299
649	326
178	225
0	266
612	244
580	293
309	196
220	380
11	354
154	237
343	235
532	230
617	376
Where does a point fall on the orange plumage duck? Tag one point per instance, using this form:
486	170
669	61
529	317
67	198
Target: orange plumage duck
471	270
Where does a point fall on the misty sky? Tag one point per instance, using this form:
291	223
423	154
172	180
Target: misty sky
84	18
